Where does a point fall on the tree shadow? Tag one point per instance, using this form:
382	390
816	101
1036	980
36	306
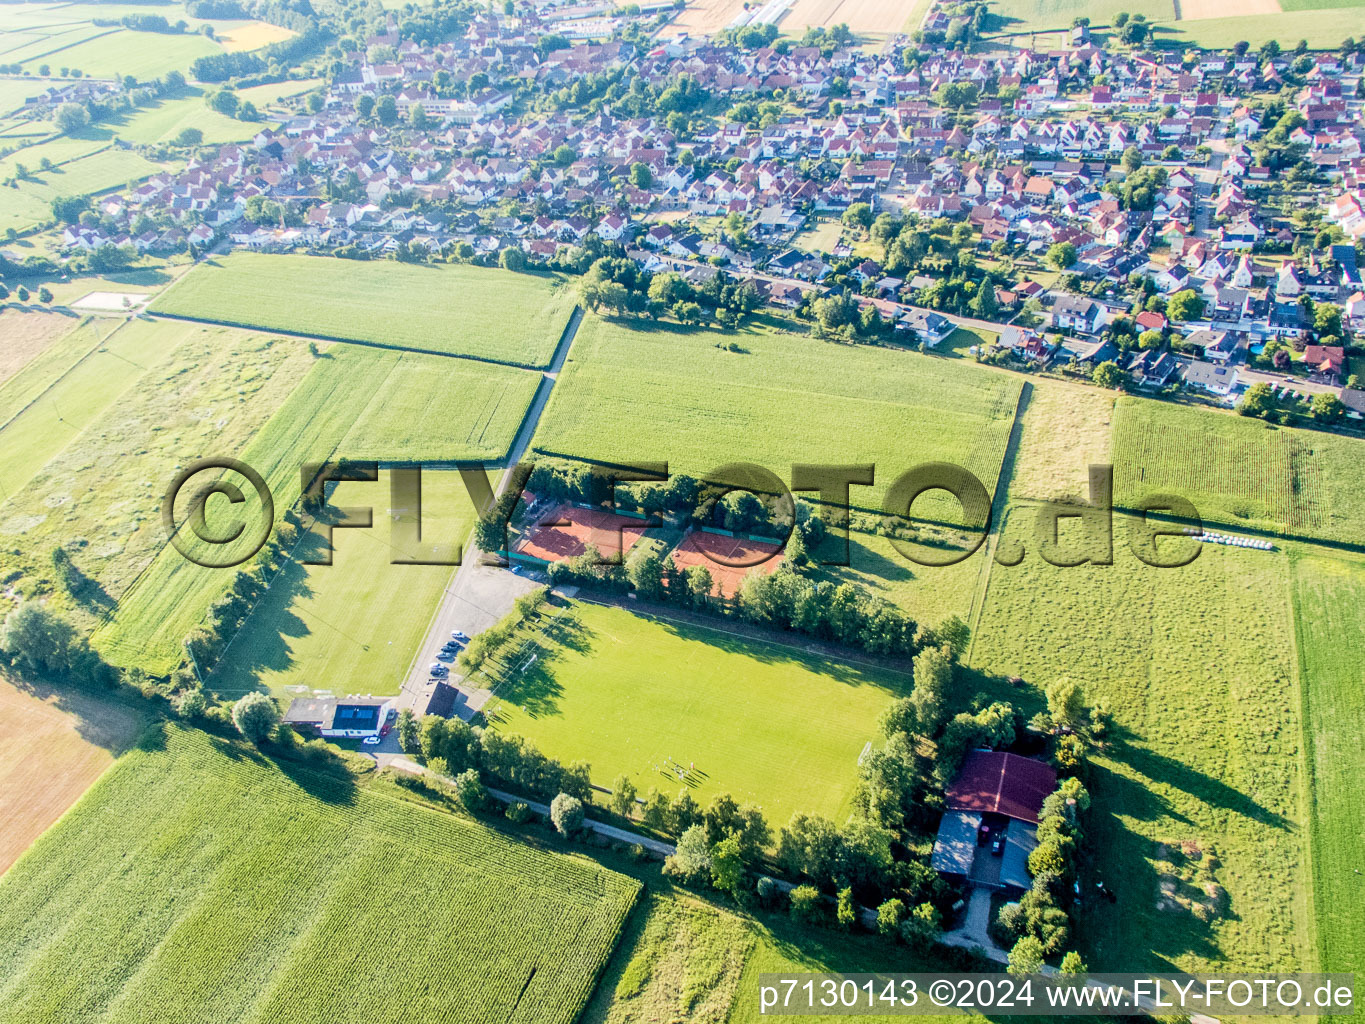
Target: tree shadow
318	770
261	645
101	718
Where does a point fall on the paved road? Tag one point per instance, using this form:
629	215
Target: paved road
479	595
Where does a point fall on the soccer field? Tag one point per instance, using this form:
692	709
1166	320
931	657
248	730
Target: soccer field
453	310
199	880
768	724
355	624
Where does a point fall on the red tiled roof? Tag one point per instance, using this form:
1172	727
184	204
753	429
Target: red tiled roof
1000	783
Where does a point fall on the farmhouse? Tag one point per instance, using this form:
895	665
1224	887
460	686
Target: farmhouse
991	822
340	717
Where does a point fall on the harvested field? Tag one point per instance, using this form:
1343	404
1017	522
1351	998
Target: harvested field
727	559
56	745
252	35
27	333
1199	10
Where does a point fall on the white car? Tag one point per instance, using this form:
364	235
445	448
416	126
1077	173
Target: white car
371	741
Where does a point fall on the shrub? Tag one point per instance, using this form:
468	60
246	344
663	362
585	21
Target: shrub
566	812
518	813
808	906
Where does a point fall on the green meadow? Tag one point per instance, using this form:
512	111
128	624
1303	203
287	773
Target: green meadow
1202	769
632	393
494	315
1329	613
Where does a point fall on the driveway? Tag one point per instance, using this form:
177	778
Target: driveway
479	595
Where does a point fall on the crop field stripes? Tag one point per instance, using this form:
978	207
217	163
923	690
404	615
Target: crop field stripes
243	889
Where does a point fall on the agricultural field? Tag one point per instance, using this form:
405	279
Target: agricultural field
1063	430
360	619
681	959
120	51
1043	15
1199	820
1238	471
633	393
56	744
30	202
354	403
1324	23
1330	616
27	334
624	692
453	310
165	121
249	35
46	412
214	883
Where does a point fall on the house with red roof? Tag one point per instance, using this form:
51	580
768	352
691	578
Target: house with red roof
990	825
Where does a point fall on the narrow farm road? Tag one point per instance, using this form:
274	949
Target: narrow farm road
479	595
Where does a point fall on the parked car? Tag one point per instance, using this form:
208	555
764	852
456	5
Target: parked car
438	670
457	635
371	741
998	847
446	656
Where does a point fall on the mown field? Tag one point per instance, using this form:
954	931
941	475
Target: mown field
354	624
1240	472
455	310
1329	612
626	691
354	403
200	881
1196	666
168	118
634	393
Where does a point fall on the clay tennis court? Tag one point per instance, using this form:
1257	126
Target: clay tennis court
611	535
727	559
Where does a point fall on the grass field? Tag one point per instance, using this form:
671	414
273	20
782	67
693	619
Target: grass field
28	333
1322	28
165	121
1196	666
630	393
143	55
56	744
355	624
1330	615
625	691
212	883
354	403
112	431
30	202
1324	23
48	411
457	310
1240	471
